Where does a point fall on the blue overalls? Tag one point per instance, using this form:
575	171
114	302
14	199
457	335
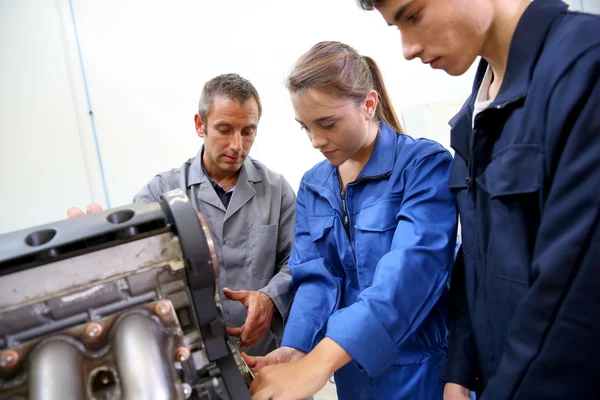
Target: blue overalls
371	268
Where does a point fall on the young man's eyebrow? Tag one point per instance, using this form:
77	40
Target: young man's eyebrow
400	12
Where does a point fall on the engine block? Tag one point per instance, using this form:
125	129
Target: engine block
120	304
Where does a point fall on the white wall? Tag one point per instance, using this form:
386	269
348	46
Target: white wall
42	166
589	6
145	62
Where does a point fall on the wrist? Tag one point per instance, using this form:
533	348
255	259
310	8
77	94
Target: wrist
294	353
329	356
267	301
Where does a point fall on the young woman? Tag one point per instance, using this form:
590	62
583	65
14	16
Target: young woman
374	242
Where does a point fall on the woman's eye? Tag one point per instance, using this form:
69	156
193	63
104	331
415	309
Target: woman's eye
330	126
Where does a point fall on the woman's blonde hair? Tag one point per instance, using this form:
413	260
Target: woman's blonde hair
338	69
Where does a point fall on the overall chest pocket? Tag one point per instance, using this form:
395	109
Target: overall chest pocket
374	229
320	228
262	250
509	197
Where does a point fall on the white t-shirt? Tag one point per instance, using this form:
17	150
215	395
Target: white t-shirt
482	101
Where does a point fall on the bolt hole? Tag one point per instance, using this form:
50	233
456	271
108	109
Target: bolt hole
40	237
103	384
118	217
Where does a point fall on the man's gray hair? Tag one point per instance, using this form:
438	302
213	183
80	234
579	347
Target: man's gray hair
232	86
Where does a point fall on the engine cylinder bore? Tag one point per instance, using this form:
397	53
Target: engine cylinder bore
142	363
56	371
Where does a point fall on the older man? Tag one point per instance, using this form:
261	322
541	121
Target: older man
250	210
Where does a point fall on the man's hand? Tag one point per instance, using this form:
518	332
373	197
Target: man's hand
260	312
280	355
453	391
77	212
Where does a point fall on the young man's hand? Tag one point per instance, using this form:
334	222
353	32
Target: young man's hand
453	391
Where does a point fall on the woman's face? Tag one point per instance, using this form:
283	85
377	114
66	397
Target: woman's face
336	126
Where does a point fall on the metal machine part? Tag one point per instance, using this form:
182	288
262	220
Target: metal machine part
120	304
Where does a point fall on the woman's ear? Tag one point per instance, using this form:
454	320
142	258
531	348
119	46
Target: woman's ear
371	103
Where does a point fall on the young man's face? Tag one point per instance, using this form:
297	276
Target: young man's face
446	34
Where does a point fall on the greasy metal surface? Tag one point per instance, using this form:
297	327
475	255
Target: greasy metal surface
143	363
67	232
72	281
101	351
55	371
111	312
211	245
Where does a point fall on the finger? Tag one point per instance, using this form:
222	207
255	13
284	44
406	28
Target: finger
92	208
249	342
250	360
236	295
266	361
263	394
74	212
257	363
236	332
248	338
255	384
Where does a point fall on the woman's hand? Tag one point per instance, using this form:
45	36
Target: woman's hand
294	380
300	378
277	356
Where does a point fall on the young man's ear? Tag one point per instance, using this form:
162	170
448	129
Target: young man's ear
200	127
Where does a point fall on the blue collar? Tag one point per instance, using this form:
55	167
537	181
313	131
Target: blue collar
381	162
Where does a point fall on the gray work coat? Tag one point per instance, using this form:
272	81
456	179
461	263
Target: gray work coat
253	236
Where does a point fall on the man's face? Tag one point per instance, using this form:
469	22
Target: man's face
446	34
228	133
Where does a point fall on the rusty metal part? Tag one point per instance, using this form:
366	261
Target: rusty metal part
182	354
93	331
104	363
8	359
162	308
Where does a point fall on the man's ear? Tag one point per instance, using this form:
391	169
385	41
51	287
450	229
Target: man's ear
200	127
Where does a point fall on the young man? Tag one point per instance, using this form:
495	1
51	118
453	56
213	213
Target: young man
249	208
525	314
